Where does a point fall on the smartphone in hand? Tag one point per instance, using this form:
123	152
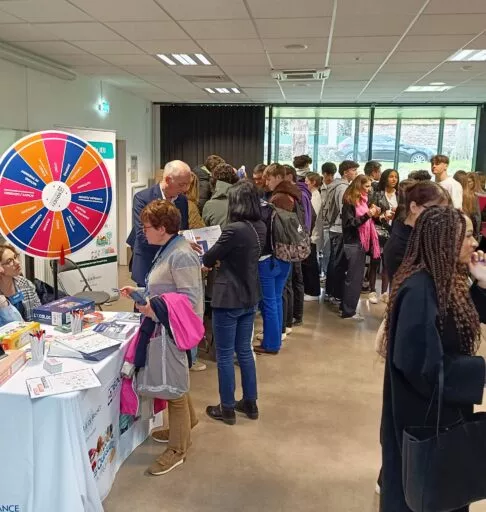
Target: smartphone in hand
138	298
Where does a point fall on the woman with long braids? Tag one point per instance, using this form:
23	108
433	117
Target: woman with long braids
433	316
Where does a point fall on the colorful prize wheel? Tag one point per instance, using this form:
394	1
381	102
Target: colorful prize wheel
55	194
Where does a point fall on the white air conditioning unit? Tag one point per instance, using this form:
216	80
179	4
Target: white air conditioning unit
299	75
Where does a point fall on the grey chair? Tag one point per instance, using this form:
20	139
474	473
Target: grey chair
99	298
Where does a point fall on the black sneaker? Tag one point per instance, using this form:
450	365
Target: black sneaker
248	407
218	412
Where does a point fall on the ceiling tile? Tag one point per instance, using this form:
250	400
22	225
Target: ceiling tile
8	18
199	70
214	46
149	30
25	32
161	97
169	46
108	47
144	70
407	67
255	81
116	10
363	44
383	25
241	59
220	29
78	60
247	70
297	61
357	58
314	44
263	94
353	8
50	48
442	24
290	8
101	71
420	56
80	31
38	11
131	60
455	7
281	28
434	42
207	10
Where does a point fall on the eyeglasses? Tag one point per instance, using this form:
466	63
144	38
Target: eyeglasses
11	261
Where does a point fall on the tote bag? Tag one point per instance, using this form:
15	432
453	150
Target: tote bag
444	468
166	371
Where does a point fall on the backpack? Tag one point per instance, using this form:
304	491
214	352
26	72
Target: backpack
330	209
289	238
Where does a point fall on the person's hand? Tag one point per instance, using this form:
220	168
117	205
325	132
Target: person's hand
477	267
127	290
146	310
206	269
373	211
389	214
196	247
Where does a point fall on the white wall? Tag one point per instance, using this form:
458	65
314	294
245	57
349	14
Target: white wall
32	101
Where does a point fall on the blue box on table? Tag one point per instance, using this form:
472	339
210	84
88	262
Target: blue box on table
59	311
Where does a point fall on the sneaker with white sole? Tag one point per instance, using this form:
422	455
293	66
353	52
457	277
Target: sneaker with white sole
168	461
356	317
385	297
198	367
377	489
284	336
334	301
288	330
373	298
259	336
311	298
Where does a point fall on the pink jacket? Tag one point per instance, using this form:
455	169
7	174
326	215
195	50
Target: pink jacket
187	329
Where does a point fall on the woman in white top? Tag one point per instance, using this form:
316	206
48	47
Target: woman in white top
310	266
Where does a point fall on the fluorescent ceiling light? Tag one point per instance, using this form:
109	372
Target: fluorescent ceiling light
222	90
437	83
428	88
208	89
203	59
184	59
469	55
166	59
235	90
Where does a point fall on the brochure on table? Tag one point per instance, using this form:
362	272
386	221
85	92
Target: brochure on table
62	383
204	237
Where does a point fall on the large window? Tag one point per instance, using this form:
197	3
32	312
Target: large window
403	137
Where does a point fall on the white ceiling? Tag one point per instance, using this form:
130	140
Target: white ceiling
375	48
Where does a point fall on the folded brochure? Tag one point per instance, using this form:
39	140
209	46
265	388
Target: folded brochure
89	345
116	330
62	383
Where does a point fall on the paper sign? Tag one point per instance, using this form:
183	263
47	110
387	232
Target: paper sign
62	383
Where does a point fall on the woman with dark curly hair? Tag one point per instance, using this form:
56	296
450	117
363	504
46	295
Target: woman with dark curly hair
433	317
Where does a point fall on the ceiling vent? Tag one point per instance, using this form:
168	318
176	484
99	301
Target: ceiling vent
298	75
207	78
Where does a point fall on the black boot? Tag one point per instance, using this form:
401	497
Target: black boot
248	407
218	412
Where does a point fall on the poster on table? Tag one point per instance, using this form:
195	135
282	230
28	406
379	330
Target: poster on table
56	199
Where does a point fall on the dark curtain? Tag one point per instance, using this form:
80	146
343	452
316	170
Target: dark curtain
191	133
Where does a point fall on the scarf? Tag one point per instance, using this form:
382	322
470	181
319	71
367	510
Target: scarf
367	230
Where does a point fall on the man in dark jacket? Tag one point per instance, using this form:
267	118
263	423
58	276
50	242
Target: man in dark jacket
175	182
204	173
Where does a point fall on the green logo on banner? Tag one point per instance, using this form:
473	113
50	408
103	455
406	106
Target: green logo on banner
105	149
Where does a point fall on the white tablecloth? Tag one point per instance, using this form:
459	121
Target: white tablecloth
61	453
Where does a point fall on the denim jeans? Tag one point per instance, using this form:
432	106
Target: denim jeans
233	329
273	275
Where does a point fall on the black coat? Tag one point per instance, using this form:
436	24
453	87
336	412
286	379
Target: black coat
414	351
395	248
237	284
351	223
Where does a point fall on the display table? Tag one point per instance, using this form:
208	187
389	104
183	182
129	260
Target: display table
61	453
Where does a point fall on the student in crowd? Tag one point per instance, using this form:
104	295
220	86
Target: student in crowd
215	211
274	272
433	322
385	197
421	175
359	237
336	268
195	219
329	170
236	294
18	291
310	266
459	176
302	165
204	174
258	180
372	169
176	269
470	203
439	164
418	196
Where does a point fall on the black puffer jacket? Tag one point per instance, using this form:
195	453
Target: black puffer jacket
205	190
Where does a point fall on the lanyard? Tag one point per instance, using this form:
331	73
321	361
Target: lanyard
156	259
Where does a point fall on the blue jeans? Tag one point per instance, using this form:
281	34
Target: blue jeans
273	275
232	330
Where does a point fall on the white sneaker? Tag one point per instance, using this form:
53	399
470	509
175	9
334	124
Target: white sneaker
357	318
373	298
198	367
385	297
284	336
259	337
288	330
378	489
310	298
334	301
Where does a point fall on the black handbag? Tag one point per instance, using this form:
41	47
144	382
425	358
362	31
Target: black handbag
444	468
